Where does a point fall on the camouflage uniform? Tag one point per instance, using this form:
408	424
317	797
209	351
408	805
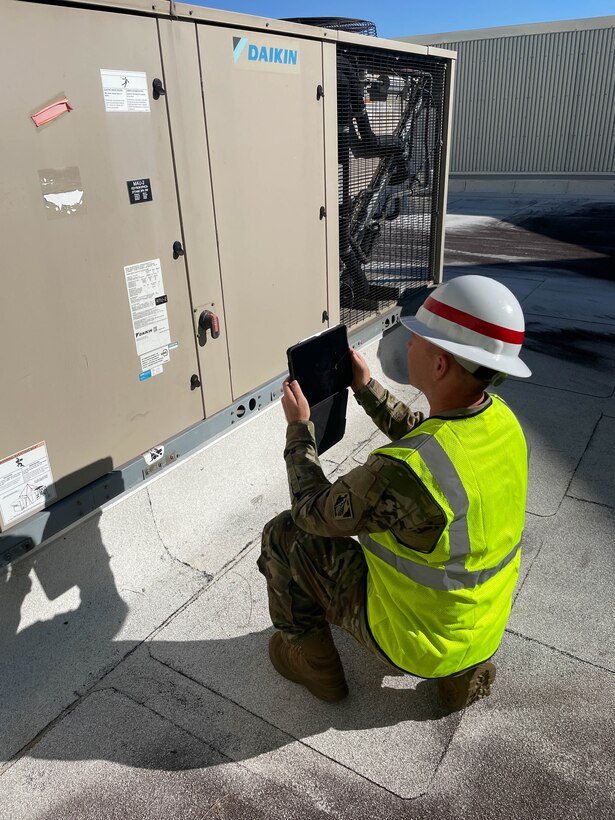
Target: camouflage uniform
315	570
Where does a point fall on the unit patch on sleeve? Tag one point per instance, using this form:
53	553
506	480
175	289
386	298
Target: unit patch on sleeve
342	506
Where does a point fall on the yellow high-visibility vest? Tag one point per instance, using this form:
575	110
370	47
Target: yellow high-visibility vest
437	613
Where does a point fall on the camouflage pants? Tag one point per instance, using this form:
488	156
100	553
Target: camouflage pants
312	579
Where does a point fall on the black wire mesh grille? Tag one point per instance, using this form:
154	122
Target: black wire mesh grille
341	23
390	113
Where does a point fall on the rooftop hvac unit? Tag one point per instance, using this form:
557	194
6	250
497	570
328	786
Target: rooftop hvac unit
186	194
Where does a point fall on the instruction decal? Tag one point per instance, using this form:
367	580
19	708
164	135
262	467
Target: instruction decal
139	190
150	321
26	483
125	90
155	358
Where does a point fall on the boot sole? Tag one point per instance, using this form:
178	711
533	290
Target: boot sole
454	702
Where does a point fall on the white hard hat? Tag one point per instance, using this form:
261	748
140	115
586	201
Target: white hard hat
476	319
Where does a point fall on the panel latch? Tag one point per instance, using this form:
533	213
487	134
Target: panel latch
158	89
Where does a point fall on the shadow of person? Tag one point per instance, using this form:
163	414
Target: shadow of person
59	611
238	668
225	692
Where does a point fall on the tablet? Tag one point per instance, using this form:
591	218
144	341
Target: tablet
321	364
323	368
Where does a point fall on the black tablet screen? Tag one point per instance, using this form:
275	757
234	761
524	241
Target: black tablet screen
322	364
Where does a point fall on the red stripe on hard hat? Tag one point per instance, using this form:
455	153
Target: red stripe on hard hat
504	334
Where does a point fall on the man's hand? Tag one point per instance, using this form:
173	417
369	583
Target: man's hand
360	371
294	403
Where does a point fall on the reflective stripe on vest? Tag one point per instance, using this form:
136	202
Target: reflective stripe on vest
454	575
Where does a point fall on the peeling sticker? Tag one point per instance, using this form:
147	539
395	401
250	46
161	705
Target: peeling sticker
125	90
68	200
63	193
26	483
155	454
150	321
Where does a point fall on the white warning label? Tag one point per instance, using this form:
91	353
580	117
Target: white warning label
155	454
156	358
148	308
26	483
125	90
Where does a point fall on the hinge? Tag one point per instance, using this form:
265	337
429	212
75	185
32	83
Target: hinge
320	92
323	212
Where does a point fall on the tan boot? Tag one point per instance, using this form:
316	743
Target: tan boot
459	691
313	662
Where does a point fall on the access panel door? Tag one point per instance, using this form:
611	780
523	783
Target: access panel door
95	318
264	122
184	97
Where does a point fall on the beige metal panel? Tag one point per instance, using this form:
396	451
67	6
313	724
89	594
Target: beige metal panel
329	63
253	22
187	121
445	53
151	7
73	369
265	132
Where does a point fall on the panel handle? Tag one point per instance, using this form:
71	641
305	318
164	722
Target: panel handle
209	321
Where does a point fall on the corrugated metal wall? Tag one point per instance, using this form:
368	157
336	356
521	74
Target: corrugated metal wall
535	103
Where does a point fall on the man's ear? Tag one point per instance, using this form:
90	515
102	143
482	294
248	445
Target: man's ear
442	363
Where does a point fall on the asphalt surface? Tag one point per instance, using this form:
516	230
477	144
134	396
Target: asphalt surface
135	680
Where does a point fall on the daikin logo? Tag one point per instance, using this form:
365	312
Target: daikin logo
255	53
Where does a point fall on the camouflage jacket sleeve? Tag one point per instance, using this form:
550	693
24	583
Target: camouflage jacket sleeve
382	494
394	418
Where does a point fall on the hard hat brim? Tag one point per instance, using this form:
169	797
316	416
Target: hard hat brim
502	364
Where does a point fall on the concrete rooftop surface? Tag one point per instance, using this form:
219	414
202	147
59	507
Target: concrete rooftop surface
135	681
